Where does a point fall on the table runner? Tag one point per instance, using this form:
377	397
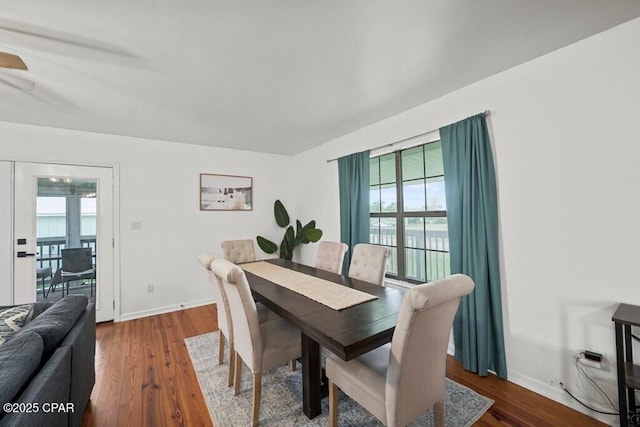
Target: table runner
333	295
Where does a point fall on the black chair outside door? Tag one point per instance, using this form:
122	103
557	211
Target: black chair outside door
77	264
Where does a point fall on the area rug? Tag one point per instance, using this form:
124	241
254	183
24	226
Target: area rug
281	403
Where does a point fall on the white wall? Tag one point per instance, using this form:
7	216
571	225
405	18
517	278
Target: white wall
159	186
566	136
6	232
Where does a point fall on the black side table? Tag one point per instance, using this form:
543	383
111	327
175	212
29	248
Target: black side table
628	373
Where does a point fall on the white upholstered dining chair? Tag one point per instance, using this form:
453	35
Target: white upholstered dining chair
224	319
225	325
369	263
331	256
399	381
261	346
238	251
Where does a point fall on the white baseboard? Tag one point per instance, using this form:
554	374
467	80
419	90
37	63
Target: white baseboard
165	309
555	393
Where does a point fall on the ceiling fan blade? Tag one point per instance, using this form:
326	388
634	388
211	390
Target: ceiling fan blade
8	60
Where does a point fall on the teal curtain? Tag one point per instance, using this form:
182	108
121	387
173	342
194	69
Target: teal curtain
353	178
472	214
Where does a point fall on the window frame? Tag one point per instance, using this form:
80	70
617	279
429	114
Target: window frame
400	214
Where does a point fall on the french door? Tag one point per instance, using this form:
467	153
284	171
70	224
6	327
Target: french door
63	234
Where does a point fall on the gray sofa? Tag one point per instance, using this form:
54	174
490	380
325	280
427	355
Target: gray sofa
48	367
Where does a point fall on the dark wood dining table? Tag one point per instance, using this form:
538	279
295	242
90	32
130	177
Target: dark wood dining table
348	333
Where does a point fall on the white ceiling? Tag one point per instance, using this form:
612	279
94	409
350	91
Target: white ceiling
278	76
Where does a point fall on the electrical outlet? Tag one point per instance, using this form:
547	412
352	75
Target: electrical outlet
593	359
593	355
150	288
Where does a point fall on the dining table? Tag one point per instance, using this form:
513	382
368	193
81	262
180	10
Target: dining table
348	332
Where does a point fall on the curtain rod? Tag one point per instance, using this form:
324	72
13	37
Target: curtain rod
485	112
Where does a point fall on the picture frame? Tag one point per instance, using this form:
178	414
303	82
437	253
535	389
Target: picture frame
226	192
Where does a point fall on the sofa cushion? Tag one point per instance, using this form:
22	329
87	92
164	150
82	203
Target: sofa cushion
55	322
13	319
39	308
19	360
49	387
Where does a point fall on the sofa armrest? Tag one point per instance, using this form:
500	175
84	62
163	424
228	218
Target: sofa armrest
81	339
50	385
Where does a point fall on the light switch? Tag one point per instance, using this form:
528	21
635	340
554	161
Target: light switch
136	225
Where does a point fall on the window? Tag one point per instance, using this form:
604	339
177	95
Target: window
408	206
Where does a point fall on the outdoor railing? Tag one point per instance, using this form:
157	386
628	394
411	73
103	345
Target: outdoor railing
426	257
49	252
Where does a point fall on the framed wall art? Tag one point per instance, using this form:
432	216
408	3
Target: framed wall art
226	192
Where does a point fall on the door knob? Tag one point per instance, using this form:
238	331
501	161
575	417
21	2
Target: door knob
23	254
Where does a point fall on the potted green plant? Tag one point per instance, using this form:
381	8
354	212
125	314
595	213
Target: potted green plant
292	237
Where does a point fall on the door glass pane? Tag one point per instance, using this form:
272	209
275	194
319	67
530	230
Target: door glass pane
436	199
374	171
412	164
66	238
374	198
413	195
388	232
392	262
438	265
437	234
374	231
433	159
388	199
414	264
438	261
388	237
414	233
387	168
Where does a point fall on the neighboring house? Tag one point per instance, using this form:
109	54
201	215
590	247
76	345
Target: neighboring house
51	217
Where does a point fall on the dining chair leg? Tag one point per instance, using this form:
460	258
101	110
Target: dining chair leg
238	373
292	364
438	414
221	348
257	390
232	365
333	405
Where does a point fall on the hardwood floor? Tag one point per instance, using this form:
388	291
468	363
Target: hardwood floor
515	405
144	378
144	375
